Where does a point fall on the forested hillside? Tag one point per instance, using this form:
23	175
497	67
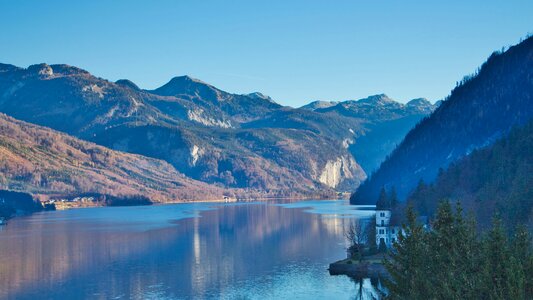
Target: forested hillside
480	110
494	180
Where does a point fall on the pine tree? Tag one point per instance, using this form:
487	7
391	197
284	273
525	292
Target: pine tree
393	197
408	263
522	252
468	253
443	248
383	202
502	277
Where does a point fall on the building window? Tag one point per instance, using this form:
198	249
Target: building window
392	231
382	223
382	214
393	240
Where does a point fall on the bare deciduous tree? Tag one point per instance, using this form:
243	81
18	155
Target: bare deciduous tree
357	236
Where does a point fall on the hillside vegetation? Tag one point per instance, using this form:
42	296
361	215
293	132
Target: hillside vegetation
228	140
479	111
494	180
50	164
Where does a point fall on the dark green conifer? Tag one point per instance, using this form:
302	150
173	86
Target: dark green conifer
383	202
393	197
408	263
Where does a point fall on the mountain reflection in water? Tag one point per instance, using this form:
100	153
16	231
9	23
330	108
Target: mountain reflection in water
199	250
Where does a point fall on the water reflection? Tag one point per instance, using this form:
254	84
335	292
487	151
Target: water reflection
254	250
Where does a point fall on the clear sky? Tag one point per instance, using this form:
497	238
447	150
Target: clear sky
294	51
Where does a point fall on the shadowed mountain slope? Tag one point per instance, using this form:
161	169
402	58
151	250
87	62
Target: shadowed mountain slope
481	109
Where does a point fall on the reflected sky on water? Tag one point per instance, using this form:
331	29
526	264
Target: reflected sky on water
256	250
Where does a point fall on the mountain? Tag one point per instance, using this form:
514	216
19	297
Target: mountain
497	178
228	140
379	108
49	164
261	96
481	109
385	124
190	124
233	107
319	104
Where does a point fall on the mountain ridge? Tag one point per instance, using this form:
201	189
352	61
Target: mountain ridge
229	140
481	109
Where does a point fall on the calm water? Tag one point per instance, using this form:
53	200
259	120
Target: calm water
180	251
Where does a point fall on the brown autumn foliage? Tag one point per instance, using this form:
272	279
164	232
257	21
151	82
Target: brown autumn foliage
50	164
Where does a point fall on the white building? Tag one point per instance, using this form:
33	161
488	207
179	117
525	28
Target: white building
384	230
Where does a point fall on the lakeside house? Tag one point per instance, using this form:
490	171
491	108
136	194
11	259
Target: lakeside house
386	232
388	226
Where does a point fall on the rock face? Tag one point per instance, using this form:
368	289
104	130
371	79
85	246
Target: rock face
478	111
228	140
385	123
337	171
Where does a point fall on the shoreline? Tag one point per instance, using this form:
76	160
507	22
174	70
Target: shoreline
68	205
369	268
80	205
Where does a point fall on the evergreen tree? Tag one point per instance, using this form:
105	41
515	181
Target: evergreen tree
502	277
522	252
450	262
442	248
383	202
393	197
408	263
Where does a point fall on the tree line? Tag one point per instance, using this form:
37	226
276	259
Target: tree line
452	260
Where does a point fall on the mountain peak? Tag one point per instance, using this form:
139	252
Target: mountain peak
185	79
68	70
41	69
319	104
376	99
8	68
418	102
259	95
127	83
186	85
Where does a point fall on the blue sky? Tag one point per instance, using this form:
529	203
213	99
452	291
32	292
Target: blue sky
294	51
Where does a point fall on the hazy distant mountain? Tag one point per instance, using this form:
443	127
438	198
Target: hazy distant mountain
384	121
481	109
319	104
231	140
379	108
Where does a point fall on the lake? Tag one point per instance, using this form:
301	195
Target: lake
253	250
